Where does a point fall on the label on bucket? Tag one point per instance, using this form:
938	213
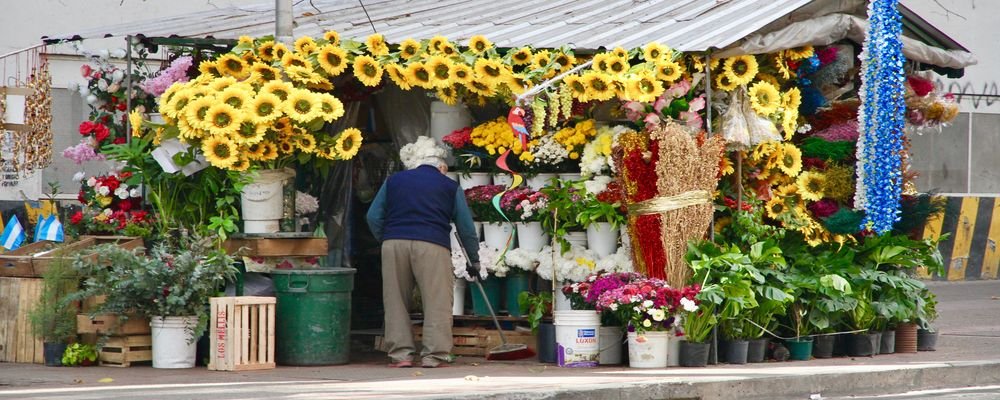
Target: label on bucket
576	346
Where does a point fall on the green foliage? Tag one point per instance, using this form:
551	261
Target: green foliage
727	277
77	353
53	317
844	221
566	201
698	324
818	148
534	306
815	278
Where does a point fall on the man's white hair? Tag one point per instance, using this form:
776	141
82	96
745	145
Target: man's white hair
424	151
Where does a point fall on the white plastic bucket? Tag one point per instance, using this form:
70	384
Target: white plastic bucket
446	119
496	235
262	201
503	179
577	338
474	179
570	176
458	293
173	346
539	181
648	350
612	341
531	236
562	302
577	239
602	239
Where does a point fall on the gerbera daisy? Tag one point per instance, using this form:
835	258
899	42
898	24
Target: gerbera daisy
223	119
266	51
740	69
440	69
264	108
654	52
792	99
330	107
810	185
479	44
541	60
196	111
644	87
303	75
434	46
722	82
577	87
668	71
277	88
233	65
305	45
798	53
599	86
764	98
522	56
302	106
617	65
367	70
417	74
376	44
565	61
209	68
408	48
306	143
332	59
776	207
791	160
448	95
462	73
220	151
490	70
348	143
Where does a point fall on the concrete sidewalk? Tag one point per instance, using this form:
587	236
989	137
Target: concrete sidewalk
968	354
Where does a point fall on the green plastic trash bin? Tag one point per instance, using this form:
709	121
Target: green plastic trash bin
313	316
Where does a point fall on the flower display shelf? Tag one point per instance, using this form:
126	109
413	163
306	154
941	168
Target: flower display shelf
30	261
290	244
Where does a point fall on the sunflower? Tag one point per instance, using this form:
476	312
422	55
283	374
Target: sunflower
654	52
565	61
178	100
196	112
277	88
398	75
792	99
434	46
799	53
599	86
249	133
264	108
220	151
261	73
479	44
779	63
462	73
332	59
617	65
417	74
235	96
242	163
810	185
764	98
291	59
482	86
186	131
322	86
209	68
517	83
766	77
408	48
620	52
279	50
489	69
522	56
668	71
541	60
644	87
220	84
305	45
722	82
376	44
348	143
600	62
776	207
282	125
740	69
255	151
448	49
787	190
367	70
268	152
448	95
789	123
233	65
790	162
286	146
302	106
306	143
223	119
303	75
266	51
330	107
440	69
577	87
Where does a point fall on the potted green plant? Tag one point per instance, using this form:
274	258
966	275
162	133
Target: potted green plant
822	296
562	222
171	285
926	335
601	214
537	308
698	326
53	318
80	354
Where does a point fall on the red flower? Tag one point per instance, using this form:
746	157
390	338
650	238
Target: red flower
121	106
118	140
76	218
125	205
86	127
85	70
81	197
921	87
101	133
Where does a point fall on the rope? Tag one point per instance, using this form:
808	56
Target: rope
794	338
663	204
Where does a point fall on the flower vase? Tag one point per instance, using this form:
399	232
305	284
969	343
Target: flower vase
516	283
602	239
499	234
531	236
474	179
648	350
541	180
262	201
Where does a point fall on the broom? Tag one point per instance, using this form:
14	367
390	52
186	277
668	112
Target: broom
505	351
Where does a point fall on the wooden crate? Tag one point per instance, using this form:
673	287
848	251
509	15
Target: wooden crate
241	333
108	324
473	341
277	247
122	351
17	343
31	260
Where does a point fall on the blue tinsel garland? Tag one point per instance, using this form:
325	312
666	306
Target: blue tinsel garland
881	118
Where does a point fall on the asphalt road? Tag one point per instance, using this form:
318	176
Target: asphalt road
968	393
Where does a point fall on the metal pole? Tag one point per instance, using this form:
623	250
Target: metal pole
284	21
128	88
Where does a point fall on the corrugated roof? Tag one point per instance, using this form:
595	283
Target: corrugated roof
686	25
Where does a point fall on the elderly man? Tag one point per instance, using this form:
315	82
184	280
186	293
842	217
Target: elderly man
412	215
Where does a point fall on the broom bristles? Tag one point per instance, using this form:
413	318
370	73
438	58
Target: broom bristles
510	352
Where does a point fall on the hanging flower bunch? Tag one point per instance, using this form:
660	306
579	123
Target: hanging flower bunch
176	72
925	107
678	102
110	206
648	304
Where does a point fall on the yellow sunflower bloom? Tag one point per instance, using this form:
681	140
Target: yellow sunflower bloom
278	51
618	65
306	143
286	147
722	82
376	44
541	59
668	71
577	87
188	132
789	123
249	133
282	125
178	100
517	83
169	94
332	36
726	166
330	107
277	88
482	86
233	65
196	112
799	53
408	48
740	69
302	106
305	45
599	86
522	56
448	50
261	73
220	84
209	68
766	77
264	108
565	61
322	86
220	151
448	95
620	52
266	51
398	75
792	99
776	207
462	73
479	44
600	62
291	59
434	46
655	52
303	75
417	74
810	185
644	87
268	152
791	160
490	70
440	69
764	98
332	59
255	151
223	119
779	63
367	70
348	143
242	163
236	96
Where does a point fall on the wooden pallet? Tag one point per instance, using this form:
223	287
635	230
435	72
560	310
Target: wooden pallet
122	351
17	343
477	342
241	333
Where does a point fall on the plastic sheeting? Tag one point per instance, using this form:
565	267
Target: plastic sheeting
831	28
335	197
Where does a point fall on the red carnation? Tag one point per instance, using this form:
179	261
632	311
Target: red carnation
921	87
85	70
121	106
76	218
81	197
118	140
101	133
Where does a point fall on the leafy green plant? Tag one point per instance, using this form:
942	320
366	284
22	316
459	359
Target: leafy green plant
79	354
727	277
927	311
698	324
52	317
815	279
565	201
535	306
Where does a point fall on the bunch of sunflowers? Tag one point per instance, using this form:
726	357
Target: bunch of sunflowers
764	88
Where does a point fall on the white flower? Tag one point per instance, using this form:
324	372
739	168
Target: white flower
305	203
597	185
84	91
77	177
646	323
657	314
118	53
121	192
103	190
134	192
613	307
688	304
117	76
102	84
108	212
647	303
91	99
91	181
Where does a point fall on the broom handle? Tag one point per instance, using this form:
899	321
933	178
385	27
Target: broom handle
503	340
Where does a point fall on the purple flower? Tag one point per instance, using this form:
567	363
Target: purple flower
82	153
176	72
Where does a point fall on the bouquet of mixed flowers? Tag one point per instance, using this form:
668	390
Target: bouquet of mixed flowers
584	295
524	204
480	200
176	72
111	206
468	157
648	304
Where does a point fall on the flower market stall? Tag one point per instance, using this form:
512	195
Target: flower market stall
682	200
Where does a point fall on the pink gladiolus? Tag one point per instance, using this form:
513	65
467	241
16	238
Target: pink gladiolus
651	120
697	104
691	119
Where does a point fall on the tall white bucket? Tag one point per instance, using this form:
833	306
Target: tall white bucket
612	341
531	236
577	338
648	350
541	180
602	239
496	234
458	294
173	346
474	179
446	119
262	200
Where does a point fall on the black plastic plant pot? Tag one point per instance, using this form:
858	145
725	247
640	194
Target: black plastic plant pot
926	340
53	353
546	342
888	342
823	346
862	344
694	354
736	351
757	350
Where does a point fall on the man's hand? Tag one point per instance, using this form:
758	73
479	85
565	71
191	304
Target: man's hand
472	269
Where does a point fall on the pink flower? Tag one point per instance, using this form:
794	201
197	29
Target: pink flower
85	70
678	89
634	110
660	104
697	104
651	120
691	119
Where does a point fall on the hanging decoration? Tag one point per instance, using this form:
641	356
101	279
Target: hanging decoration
881	117
25	140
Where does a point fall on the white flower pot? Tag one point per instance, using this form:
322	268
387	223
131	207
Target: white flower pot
577	239
263	201
496	235
474	179
503	179
561	302
458	293
539	181
612	342
569	176
602	239
648	350
531	236
453	176
173	344
479	229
